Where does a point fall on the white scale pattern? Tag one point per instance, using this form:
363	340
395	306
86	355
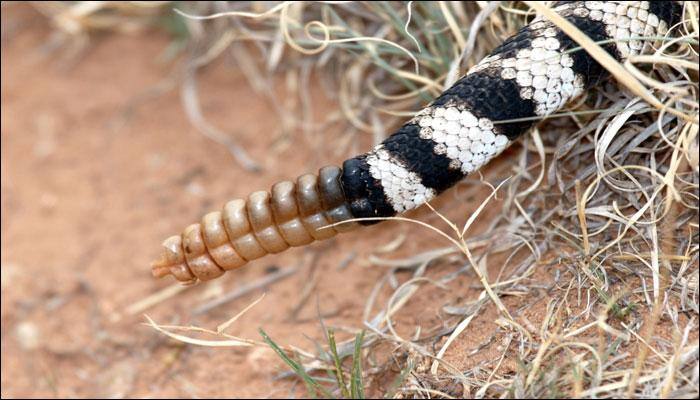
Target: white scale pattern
402	187
543	73
625	20
465	139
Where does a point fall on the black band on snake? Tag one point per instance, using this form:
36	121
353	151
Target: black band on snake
532	74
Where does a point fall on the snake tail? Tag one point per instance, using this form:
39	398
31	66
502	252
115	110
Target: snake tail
531	75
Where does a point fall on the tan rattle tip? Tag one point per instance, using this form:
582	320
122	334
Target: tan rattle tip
172	262
159	268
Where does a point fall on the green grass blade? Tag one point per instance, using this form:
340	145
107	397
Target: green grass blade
356	389
310	382
337	362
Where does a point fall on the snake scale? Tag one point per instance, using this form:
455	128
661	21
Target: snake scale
531	74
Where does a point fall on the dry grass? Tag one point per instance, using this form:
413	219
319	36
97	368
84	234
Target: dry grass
598	227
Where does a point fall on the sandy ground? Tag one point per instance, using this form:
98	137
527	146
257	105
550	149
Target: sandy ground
94	177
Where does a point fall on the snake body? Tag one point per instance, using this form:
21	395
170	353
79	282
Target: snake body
529	76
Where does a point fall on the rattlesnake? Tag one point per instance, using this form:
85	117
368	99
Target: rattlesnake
532	74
